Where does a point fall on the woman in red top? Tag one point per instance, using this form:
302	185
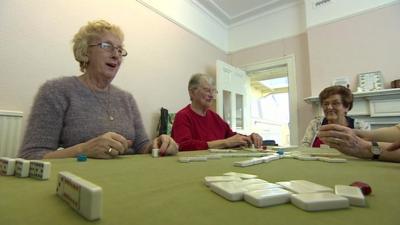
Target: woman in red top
196	127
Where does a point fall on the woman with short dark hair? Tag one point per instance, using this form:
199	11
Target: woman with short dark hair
336	102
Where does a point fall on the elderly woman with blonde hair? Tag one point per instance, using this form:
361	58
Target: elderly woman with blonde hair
86	114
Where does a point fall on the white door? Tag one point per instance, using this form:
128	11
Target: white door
233	105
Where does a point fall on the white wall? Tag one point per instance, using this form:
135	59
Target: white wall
189	16
337	9
280	23
358	44
35	45
283	23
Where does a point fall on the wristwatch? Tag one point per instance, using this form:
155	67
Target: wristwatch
376	150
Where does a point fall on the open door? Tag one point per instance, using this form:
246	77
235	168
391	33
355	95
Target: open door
233	103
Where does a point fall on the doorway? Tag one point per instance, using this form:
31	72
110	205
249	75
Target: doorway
270	104
273	99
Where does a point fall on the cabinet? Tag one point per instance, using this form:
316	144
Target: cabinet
379	108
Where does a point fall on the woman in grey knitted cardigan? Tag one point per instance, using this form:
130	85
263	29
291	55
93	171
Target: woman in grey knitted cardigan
86	114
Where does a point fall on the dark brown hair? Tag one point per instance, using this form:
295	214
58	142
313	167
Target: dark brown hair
345	95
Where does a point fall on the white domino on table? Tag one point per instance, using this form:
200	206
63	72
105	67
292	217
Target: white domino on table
213	156
213	179
222	150
21	167
155	152
270	158
229	190
83	196
7	166
241	175
192	159
352	193
303	186
319	201
234	190
248	154
267	197
249	162
39	169
261	186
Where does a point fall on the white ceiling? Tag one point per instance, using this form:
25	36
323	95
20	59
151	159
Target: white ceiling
231	12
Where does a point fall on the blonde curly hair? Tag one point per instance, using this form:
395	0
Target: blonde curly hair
94	29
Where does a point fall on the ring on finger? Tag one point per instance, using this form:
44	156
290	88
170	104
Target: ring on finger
109	150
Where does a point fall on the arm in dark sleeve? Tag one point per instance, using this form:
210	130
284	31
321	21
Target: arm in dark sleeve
182	134
45	123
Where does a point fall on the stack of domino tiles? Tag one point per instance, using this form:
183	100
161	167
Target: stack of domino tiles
238	186
24	168
83	196
303	194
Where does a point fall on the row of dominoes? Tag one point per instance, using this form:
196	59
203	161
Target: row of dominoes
83	196
255	161
269	158
203	158
306	195
24	168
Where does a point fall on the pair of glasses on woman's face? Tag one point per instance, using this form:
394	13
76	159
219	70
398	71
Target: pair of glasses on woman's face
334	104
211	91
110	48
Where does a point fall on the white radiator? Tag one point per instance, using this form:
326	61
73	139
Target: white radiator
10	132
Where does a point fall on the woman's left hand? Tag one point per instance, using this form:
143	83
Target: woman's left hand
166	144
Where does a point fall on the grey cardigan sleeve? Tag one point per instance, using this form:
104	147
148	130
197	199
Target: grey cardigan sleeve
141	138
45	123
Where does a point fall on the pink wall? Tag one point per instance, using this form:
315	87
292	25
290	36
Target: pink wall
362	43
296	45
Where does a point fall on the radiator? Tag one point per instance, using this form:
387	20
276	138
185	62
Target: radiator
10	132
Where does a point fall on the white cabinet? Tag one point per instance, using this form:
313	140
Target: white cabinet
380	108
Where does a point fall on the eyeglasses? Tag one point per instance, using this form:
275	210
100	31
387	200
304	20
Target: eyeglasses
111	48
211	91
333	104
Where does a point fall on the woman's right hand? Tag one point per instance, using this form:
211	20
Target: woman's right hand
106	146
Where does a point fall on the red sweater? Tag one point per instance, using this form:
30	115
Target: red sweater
192	131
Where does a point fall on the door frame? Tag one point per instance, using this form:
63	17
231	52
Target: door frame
289	60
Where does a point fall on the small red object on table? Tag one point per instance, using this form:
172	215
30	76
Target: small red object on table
365	188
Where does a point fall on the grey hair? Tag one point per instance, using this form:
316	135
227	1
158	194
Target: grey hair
194	81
